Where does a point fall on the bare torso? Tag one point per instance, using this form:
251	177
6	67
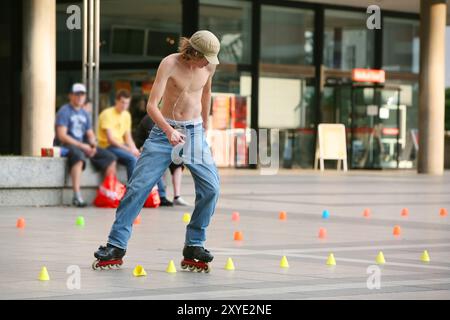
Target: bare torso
183	93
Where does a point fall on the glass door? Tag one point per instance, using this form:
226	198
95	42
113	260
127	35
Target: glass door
375	128
336	107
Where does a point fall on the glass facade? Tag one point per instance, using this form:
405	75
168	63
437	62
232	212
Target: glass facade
135	37
287	35
231	23
348	43
286	85
69	43
401	45
141	30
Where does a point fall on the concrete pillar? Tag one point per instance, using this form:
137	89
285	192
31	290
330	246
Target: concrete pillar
38	75
432	86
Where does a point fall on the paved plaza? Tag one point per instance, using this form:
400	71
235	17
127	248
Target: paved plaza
51	238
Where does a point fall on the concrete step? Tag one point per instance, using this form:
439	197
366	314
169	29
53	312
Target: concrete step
38	181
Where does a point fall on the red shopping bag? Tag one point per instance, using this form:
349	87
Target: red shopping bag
110	192
153	199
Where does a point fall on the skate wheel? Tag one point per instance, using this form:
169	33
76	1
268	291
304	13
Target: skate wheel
95	265
207	269
191	268
183	266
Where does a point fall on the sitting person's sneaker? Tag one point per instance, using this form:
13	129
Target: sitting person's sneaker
179	201
165	202
78	202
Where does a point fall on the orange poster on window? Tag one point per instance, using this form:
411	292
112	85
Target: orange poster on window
238	112
146	87
221	112
122	85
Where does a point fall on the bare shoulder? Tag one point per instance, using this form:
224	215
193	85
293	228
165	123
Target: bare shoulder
168	63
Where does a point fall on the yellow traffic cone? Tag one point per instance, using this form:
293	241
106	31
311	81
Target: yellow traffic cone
139	271
171	267
186	217
425	257
229	265
380	258
331	261
284	262
43	275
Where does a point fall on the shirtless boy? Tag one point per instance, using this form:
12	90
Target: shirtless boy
183	82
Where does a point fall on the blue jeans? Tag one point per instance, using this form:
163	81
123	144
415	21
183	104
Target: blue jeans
129	161
154	160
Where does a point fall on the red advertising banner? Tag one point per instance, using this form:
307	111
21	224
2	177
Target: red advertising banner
238	112
368	75
146	87
221	112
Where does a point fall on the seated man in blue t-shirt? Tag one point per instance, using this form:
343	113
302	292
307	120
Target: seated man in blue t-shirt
74	132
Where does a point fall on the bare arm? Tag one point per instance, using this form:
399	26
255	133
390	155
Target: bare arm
206	100
91	138
162	76
129	140
113	142
61	133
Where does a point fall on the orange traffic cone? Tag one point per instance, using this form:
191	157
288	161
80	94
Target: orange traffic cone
137	220
366	213
443	212
322	233
238	236
283	215
405	212
20	223
397	231
235	216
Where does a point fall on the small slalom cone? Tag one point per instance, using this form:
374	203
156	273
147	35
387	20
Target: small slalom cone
397	231
80	221
282	216
238	236
443	212
366	213
380	258
405	212
139	271
425	257
331	261
325	214
43	275
322	233
284	262
230	264
20	223
137	220
235	216
171	267
186	217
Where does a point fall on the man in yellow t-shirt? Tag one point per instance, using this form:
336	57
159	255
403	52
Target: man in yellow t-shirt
114	131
